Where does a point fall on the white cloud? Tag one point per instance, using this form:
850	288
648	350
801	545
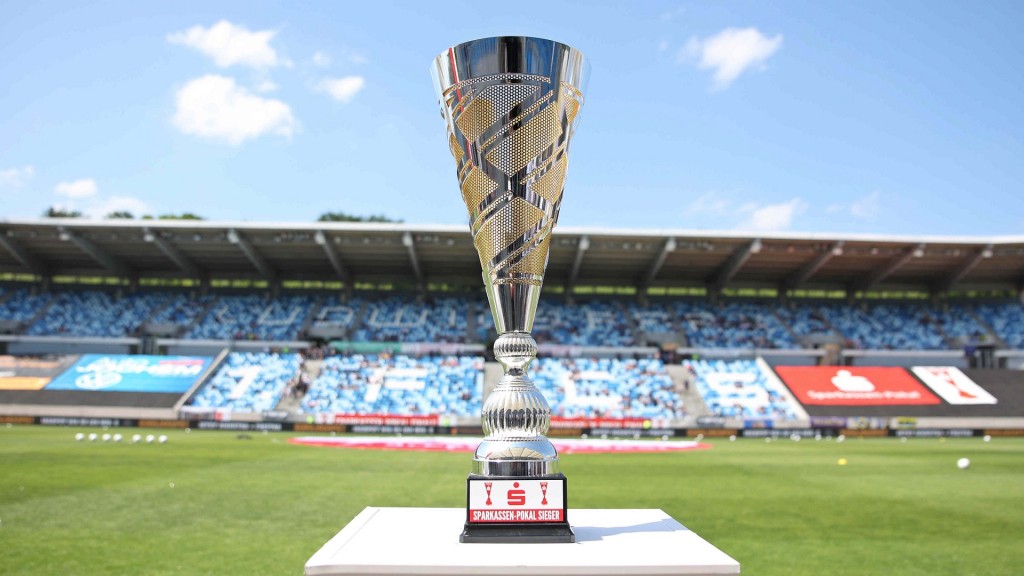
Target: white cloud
730	53
83	188
710	204
670	15
772	217
230	45
343	89
321	59
866	208
715	209
16	177
266	86
216	107
101	208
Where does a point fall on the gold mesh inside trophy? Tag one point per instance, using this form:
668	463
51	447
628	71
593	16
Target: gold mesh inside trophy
522	146
457	152
535	259
550	184
573	97
508	138
476	118
504	228
475	188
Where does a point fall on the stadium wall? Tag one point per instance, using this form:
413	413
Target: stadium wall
904	358
43	345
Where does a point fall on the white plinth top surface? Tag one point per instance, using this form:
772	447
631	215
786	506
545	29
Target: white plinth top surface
426	541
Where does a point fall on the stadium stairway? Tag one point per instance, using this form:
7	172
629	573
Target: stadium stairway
311	316
684	341
201	317
40	313
789	329
989	330
360	318
808	341
292	404
471	322
695	406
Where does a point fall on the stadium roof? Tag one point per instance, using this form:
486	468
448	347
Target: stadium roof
422	254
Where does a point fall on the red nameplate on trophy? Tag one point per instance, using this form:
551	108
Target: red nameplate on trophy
516	501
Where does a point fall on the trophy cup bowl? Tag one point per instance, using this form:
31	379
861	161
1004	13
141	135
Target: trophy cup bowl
511	105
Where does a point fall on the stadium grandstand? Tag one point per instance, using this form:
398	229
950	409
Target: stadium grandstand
352	323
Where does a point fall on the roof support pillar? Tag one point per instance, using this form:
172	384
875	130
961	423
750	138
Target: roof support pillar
890	267
113	265
171	251
582	245
410	244
798	278
975	258
656	264
22	255
728	270
332	255
254	256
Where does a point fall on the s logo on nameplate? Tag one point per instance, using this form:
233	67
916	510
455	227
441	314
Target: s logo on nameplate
516	500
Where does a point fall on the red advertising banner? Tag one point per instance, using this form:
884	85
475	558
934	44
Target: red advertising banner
560	422
854	386
382	420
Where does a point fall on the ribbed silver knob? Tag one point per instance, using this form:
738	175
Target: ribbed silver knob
515	350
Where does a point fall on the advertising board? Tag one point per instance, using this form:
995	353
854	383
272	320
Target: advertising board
131	373
378	419
30	373
953	385
854	386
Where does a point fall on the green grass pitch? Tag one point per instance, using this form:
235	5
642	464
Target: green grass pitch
212	503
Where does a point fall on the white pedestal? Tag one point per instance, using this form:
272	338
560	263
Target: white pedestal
426	541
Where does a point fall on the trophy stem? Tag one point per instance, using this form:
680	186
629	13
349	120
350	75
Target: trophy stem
515	417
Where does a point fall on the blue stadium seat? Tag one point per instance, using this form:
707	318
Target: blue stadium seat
399	319
1006	319
182	310
607	388
590	323
805	319
886	326
733	325
739	389
21	305
337	312
94	313
248	382
254	317
655	317
397	385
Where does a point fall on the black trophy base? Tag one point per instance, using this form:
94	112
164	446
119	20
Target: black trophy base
513	509
559	533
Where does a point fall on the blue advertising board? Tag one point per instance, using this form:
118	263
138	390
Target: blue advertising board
131	373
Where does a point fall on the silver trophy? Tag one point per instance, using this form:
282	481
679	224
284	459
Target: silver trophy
511	105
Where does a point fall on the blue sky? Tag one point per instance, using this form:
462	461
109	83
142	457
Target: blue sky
837	117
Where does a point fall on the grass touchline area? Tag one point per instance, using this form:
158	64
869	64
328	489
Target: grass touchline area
226	503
